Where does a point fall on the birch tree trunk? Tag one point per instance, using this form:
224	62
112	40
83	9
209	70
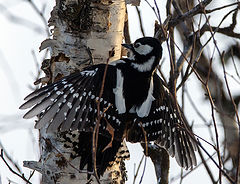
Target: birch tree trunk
83	32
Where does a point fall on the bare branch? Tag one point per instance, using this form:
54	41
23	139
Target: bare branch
14	172
196	10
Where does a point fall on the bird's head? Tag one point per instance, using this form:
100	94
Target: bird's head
145	53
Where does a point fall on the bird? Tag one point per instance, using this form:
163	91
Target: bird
128	98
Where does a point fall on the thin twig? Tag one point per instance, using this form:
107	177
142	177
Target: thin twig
15	164
96	128
234	64
140	21
44	20
221	7
14	172
196	10
206	166
140	163
185	175
144	169
236	113
230	95
220	169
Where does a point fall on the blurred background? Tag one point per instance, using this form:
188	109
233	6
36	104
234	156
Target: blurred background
24	27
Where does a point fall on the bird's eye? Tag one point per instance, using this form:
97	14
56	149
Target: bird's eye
137	45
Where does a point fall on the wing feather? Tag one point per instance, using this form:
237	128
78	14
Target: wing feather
67	105
167	126
55	107
50	87
71	103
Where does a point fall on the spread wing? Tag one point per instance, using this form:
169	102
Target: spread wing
72	102
167	126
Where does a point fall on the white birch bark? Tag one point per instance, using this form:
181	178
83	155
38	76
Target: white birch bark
77	25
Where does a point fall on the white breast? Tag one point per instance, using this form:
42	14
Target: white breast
145	108
118	91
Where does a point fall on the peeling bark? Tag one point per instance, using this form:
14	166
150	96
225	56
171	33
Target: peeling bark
83	32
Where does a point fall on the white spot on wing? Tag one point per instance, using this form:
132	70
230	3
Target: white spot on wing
75	95
89	72
58	92
78	107
69	104
71	90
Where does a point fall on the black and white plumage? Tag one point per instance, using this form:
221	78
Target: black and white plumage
133	98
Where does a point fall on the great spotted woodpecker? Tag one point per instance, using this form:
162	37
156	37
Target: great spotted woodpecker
134	102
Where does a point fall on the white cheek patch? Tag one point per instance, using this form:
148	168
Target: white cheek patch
144	67
143	49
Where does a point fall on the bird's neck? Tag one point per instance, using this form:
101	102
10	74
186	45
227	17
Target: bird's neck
143	64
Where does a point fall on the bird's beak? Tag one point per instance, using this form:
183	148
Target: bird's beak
128	46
